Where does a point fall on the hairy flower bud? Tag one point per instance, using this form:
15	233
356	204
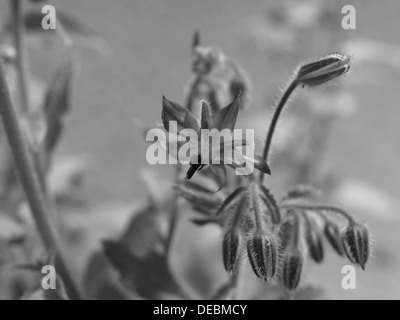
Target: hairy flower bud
323	70
332	234
262	250
313	240
291	269
231	249
288	230
356	244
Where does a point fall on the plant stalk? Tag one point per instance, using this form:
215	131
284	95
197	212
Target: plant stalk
18	26
319	207
289	90
30	181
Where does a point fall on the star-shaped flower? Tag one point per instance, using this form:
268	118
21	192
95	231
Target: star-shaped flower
212	126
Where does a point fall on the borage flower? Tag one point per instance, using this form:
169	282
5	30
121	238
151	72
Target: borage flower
212	140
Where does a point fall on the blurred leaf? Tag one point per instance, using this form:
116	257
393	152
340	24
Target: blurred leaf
196	41
100	282
149	276
302	192
57	104
10	230
66	176
144	232
139	255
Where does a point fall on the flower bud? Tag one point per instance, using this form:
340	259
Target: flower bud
313	240
291	269
231	249
356	244
262	250
332	234
288	231
323	70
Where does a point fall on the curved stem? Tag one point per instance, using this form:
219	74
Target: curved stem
319	207
24	164
289	90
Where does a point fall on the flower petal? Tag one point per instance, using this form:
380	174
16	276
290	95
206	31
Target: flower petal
226	117
260	164
205	115
172	111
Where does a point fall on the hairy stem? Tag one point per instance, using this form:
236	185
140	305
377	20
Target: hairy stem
289	90
319	207
30	181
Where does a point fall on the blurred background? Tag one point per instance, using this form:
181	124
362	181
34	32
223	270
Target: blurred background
140	50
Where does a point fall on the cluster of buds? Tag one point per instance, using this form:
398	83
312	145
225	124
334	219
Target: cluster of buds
285	243
279	237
